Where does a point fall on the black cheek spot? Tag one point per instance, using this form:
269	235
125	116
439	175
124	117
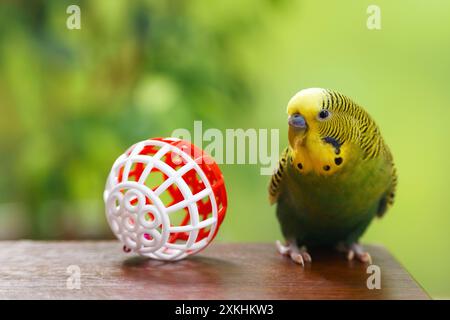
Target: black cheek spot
338	161
326	168
300	166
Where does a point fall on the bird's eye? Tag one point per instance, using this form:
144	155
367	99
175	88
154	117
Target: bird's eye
324	114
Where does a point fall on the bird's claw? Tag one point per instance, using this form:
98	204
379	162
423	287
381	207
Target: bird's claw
356	250
283	250
298	255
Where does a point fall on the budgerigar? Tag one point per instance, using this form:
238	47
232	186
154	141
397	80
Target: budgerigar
335	176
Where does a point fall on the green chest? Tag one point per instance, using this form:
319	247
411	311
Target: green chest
337	202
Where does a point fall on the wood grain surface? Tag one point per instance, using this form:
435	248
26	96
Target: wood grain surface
38	270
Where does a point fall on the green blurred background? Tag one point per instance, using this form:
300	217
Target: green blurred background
72	100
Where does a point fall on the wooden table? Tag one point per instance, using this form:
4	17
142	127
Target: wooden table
39	270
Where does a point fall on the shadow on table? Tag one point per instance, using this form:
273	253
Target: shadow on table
255	273
191	271
332	267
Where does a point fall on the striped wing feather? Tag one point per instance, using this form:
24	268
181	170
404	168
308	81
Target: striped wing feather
277	177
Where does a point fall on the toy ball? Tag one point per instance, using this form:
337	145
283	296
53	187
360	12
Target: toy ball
165	199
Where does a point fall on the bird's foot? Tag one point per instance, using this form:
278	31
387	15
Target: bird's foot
355	250
298	255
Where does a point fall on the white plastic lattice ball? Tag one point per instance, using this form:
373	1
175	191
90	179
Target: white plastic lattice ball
165	198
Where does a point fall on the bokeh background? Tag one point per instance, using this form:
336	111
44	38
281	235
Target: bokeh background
71	101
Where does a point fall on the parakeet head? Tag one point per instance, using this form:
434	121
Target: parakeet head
306	113
326	130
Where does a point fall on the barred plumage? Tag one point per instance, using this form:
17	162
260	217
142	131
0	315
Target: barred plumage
347	114
277	176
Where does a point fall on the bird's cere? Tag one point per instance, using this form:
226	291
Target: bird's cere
297	121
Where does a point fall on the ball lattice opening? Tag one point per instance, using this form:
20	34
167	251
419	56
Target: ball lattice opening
165	198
